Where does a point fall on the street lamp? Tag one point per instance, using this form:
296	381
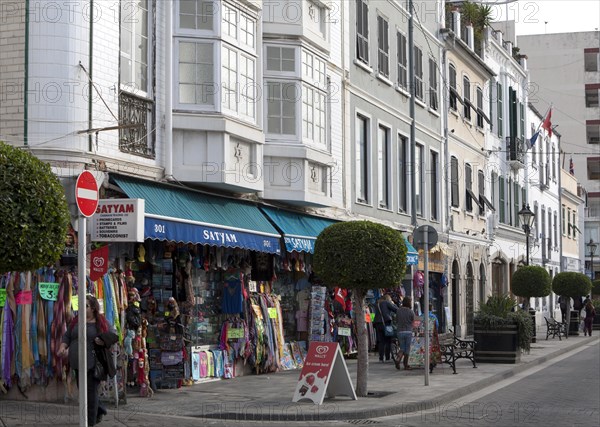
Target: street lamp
592	246
526	217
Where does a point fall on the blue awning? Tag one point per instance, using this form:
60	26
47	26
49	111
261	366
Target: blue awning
299	231
412	255
181	215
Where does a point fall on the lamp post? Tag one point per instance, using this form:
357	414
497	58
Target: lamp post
592	247
526	217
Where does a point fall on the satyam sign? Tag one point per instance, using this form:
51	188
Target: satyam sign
119	220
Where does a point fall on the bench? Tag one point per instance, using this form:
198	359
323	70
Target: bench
555	328
465	349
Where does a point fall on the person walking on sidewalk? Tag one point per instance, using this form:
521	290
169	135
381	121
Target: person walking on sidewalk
383	318
590	313
405	317
99	336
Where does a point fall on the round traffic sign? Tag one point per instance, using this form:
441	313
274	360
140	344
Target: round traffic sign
422	233
86	193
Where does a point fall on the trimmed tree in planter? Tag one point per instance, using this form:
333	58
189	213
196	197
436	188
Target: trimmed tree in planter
531	281
501	333
528	282
33	212
360	255
572	285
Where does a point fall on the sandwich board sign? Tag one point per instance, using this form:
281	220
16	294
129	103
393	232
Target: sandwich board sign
324	374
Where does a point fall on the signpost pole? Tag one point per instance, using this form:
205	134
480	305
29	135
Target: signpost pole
426	302
81	331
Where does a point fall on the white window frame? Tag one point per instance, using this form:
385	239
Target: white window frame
281	72
362	159
212	87
209	11
362	38
289	90
129	14
384	149
418	57
383	46
433	84
402	60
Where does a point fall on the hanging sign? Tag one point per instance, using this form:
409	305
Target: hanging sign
235	333
344	332
2	297
98	263
119	220
23	297
272	312
49	291
324	373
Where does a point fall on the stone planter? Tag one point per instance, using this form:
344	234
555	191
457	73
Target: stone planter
497	345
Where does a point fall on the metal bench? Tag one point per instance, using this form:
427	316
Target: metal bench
554	328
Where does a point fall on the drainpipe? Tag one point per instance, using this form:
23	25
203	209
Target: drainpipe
91	70
559	231
26	78
411	79
169	93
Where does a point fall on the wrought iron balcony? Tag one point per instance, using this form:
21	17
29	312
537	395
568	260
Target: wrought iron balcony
136	118
515	152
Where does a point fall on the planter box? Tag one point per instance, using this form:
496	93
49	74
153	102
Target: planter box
497	345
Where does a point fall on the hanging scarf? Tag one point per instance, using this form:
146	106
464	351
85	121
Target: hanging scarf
8	338
60	321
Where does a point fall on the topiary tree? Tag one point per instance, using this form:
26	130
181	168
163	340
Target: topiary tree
360	255
33	212
571	284
531	281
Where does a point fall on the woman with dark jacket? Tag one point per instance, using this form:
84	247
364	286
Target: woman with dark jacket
383	317
99	337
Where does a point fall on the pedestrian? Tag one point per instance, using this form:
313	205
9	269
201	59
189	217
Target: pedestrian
562	302
590	313
405	317
99	338
383	319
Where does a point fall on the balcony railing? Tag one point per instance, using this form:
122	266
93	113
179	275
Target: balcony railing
136	117
515	152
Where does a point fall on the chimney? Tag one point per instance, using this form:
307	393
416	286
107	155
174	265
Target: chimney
470	36
456	22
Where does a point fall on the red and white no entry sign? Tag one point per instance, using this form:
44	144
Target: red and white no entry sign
86	193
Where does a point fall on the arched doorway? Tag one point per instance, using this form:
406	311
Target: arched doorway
482	292
470	298
455	297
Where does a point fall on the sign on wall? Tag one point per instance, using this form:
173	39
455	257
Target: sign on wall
118	220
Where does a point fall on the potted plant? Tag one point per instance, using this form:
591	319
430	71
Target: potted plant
572	285
531	281
501	332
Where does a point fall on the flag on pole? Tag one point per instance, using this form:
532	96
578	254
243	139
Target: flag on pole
534	138
547	124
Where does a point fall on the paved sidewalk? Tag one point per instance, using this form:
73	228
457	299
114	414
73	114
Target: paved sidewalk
263	398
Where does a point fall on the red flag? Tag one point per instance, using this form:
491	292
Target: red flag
547	123
98	263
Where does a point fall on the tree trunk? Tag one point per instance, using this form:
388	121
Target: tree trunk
362	373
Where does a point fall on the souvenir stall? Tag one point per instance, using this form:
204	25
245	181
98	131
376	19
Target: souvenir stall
416	357
43	302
